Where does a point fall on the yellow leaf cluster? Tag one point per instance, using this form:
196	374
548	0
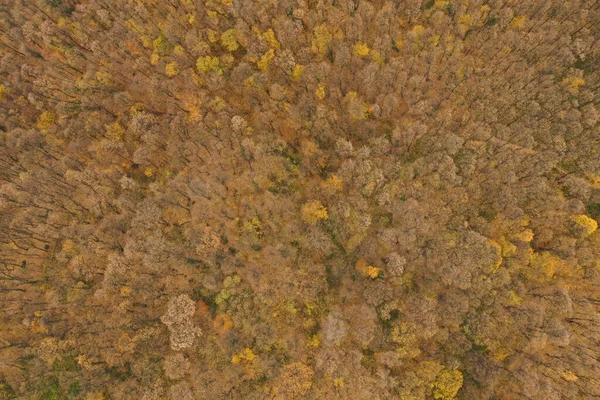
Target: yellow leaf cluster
193	109
361	50
161	46
46	120
518	22
434	40
322	38
447	384
207	63
245	355
172	69
297	72
229	40
334	183
587	224
465	22
146	41
84	363
498	248
373	272
513	299
525	236
484	12
418	30
320	91
339	382
573	84
408	341
179	50
366	270
543	266
508	249
595	180
212	35
69	247
313	342
213	15
269	37
265	60
254	226
356	107
38	326
103	77
313	212
569	376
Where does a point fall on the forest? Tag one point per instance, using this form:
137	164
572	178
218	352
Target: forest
299	199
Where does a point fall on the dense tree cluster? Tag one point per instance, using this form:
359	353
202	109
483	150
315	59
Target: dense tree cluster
299	199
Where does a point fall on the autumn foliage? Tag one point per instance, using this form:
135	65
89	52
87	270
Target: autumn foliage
298	199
